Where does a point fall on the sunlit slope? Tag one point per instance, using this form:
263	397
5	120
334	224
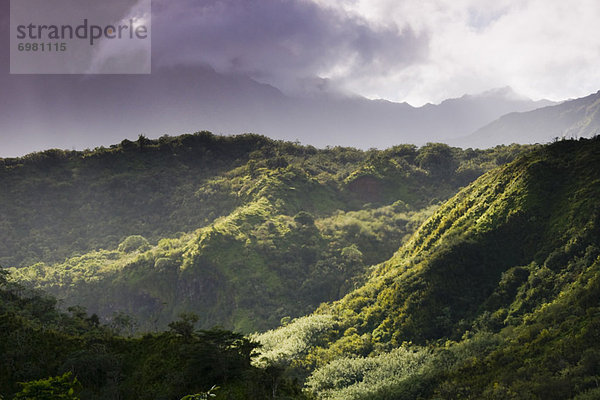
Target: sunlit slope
475	252
494	296
270	231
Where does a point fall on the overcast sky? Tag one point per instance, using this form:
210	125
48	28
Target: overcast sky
417	51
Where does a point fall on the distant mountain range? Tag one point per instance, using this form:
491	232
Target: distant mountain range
62	111
89	111
571	119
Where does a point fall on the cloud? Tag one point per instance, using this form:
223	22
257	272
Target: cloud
410	50
125	56
288	43
542	48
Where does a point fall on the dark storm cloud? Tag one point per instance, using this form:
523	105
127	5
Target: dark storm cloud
278	41
281	42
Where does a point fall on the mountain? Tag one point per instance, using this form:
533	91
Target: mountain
241	230
349	121
496	295
82	111
570	119
38	112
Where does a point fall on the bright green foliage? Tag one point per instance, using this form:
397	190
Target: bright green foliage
57	388
363	377
499	287
289	343
134	243
274	238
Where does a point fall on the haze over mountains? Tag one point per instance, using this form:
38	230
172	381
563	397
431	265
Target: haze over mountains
38	112
571	119
231	67
89	111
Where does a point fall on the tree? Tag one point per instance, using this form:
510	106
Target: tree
203	395
55	388
134	243
437	158
185	325
304	218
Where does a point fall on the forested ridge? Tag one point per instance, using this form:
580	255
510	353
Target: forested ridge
441	273
243	231
496	296
60	202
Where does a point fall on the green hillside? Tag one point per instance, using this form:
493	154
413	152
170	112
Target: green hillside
272	229
495	296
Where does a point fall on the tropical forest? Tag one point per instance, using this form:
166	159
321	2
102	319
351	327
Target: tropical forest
242	267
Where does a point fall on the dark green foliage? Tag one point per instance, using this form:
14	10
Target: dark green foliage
60	356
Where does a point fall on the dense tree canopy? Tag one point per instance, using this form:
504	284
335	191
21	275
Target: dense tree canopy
241	230
491	294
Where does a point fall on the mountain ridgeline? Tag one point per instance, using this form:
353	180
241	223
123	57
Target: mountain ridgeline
243	231
193	96
570	119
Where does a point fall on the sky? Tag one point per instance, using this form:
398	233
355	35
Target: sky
414	51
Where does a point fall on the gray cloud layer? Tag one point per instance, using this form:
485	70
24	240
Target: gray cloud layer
410	50
285	43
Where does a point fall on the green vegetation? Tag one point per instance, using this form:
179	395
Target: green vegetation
273	229
60	387
496	296
47	354
59	203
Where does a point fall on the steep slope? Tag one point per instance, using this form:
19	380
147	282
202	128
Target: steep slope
518	215
476	300
282	230
571	119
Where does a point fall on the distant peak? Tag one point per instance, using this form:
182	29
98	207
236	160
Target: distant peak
506	92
